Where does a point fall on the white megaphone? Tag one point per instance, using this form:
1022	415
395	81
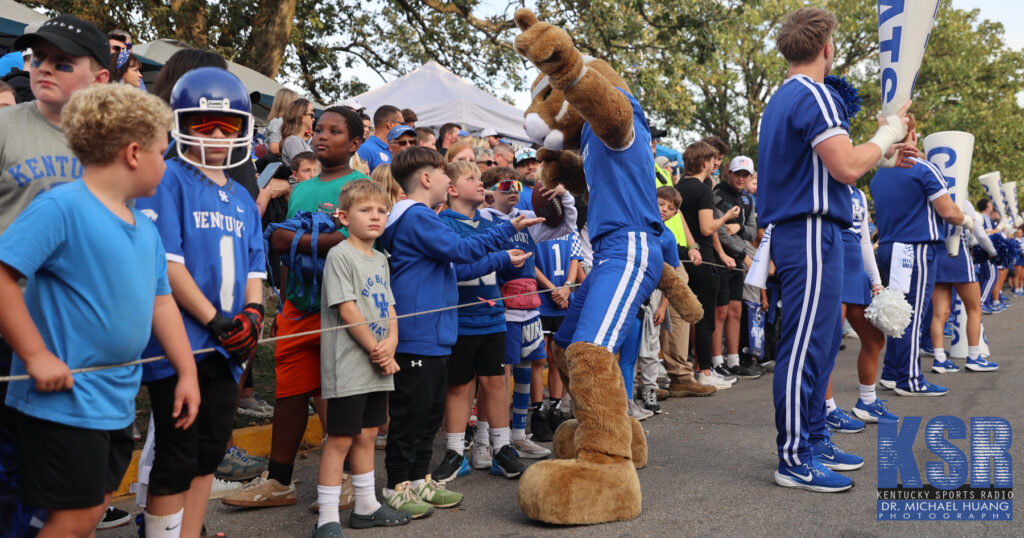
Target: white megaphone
993	189
903	29
1011	214
958	342
952	152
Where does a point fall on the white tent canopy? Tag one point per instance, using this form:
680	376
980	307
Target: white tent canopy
439	96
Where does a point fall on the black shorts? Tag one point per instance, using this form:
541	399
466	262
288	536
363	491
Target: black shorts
730	287
66	468
550	324
181	455
476	355
350	414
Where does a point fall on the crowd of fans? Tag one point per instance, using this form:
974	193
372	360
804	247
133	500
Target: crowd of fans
363	218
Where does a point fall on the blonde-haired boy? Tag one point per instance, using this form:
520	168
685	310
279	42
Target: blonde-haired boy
73	444
356	365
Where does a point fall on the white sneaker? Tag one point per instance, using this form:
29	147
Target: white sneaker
480	456
713	380
221	488
638	412
528	449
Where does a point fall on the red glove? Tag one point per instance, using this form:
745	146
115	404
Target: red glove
239	335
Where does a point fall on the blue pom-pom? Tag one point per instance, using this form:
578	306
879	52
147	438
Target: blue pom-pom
1006	250
849	94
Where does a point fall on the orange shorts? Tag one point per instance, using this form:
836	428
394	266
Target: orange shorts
297	360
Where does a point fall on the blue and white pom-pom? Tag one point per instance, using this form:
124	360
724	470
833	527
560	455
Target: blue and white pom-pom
889	312
849	94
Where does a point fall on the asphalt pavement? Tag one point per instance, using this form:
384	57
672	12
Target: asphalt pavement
711	468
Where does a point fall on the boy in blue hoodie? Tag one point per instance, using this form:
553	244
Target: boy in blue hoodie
422	250
479	351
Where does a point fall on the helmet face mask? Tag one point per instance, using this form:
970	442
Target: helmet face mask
213	92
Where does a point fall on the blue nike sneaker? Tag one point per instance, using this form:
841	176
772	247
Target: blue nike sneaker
981	364
812	476
839	422
874	411
832	457
924	388
452	466
945	366
986	309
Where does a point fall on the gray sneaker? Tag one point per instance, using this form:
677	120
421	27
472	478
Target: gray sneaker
528	449
239	465
638	412
254	406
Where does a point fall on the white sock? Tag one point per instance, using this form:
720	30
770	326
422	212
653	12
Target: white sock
732	360
455	441
483	432
973	352
867	393
366	500
940	354
499	438
518	434
163	526
328	498
418	483
830	405
716	360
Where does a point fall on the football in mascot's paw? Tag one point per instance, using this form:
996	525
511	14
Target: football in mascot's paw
548	209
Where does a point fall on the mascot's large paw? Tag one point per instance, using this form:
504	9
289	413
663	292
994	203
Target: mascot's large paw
591	489
547	46
562	168
564	446
680	296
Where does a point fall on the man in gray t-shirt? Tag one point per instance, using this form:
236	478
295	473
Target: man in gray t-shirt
345	366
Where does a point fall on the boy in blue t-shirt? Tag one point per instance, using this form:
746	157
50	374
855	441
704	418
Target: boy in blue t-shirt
422	250
75	432
210	227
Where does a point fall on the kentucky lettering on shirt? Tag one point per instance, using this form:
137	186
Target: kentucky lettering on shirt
220	221
46	166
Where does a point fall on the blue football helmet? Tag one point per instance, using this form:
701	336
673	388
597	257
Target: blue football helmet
218	91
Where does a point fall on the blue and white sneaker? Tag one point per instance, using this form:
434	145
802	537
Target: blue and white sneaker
832	457
1000	307
812	476
926	389
1019	293
1003	298
887	383
839	422
874	411
986	309
945	367
981	364
928	351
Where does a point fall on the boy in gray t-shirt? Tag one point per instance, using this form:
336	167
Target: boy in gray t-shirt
357	364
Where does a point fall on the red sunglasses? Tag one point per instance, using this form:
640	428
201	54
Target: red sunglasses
206	122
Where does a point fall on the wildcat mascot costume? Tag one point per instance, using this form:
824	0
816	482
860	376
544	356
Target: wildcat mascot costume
580	103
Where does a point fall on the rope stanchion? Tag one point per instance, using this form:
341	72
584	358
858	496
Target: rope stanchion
23	377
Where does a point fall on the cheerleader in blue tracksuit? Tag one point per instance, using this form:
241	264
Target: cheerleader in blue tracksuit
988	273
910	204
861	281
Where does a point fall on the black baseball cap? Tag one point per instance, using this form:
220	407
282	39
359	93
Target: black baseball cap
72	36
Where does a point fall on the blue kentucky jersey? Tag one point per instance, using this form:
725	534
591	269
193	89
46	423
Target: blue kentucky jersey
216	233
622	195
859	208
793	181
478	280
903	209
553	259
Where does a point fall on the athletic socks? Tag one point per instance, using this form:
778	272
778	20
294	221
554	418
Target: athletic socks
456	441
717	361
366	500
830	405
732	360
940	354
499	438
327	500
482	432
973	352
520	399
555	402
282	472
163	526
867	393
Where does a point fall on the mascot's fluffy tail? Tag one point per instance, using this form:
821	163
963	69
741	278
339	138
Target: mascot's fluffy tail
680	296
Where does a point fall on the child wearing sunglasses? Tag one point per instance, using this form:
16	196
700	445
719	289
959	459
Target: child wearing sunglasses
524	343
210	227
